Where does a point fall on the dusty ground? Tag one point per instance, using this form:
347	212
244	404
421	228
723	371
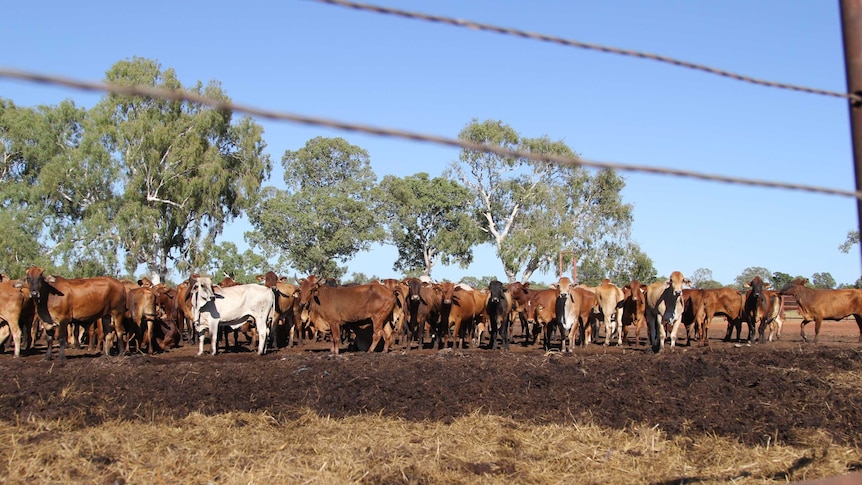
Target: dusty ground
761	394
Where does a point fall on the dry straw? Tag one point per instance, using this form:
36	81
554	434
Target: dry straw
241	448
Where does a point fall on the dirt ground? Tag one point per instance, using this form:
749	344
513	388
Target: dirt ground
759	394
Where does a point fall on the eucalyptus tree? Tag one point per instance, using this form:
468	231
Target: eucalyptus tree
328	213
185	168
57	192
429	221
535	211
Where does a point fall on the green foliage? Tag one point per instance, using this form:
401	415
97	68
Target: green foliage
360	279
531	211
478	283
56	189
749	273
852	240
780	280
428	222
225	260
186	169
823	281
329	212
702	278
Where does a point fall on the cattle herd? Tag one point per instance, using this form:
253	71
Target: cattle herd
119	317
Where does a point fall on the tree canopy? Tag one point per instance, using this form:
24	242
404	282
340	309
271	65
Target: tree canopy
531	211
328	213
429	221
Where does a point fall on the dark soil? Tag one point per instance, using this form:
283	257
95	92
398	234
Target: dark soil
775	392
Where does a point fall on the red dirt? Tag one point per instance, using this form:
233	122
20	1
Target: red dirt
759	394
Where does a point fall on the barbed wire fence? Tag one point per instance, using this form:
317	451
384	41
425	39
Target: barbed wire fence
182	95
191	97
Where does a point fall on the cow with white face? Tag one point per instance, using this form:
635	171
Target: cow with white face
230	307
664	304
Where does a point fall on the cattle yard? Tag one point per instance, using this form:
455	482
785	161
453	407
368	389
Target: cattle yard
772	412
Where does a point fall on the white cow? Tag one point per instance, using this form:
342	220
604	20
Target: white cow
610	298
230	307
664	304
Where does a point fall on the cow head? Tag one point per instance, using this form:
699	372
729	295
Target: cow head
756	287
414	289
563	286
201	292
307	292
676	282
497	291
447	289
35	278
793	287
519	291
634	290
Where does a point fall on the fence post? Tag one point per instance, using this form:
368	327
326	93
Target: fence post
851	26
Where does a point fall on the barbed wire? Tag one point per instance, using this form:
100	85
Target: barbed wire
181	95
585	45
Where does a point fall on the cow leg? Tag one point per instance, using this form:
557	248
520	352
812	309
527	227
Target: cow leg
652	332
214	337
802	330
817	323
504	332
335	337
858	318
674	329
200	337
49	339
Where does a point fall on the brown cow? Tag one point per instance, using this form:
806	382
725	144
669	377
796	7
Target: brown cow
423	302
694	312
723	301
819	305
336	307
541	313
286	299
664	306
634	306
140	317
399	313
461	311
520	293
166	307
763	307
60	301
16	311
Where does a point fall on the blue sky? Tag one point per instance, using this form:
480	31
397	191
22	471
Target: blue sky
320	60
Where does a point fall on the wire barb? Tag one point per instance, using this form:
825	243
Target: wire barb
585	45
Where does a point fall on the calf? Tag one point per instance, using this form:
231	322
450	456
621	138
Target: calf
664	306
499	303
819	305
16	311
610	300
763	308
465	308
634	306
694	312
423	308
541	313
723	301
